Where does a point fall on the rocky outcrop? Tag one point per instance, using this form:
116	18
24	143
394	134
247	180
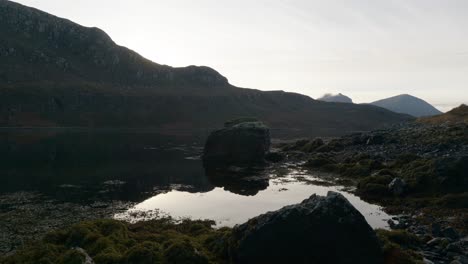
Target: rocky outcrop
318	230
243	144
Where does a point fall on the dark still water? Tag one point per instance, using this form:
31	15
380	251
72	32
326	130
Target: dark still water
52	178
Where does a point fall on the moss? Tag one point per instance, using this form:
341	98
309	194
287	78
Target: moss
73	257
385	172
361	168
319	162
401	237
110	241
459	200
39	253
405	158
108	257
311	146
145	253
296	145
398	247
218	242
374	185
240	120
179	252
334	145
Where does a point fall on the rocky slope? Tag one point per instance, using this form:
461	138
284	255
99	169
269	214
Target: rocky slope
407	104
456	115
418	171
54	72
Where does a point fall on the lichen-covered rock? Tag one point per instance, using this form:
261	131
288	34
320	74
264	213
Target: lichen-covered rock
318	230
242	144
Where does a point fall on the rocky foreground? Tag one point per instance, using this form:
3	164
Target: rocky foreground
318	230
418	171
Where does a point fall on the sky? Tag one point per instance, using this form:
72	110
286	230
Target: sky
366	49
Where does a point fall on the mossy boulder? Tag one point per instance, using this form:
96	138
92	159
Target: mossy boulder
239	143
376	185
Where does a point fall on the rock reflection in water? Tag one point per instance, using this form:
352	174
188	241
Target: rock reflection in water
239	180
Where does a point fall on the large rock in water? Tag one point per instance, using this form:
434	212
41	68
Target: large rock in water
242	143
318	230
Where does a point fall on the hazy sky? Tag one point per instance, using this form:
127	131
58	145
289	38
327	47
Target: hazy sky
366	49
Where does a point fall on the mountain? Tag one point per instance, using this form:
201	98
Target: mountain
407	104
337	98
56	73
456	115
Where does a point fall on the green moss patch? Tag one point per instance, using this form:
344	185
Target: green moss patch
112	241
398	247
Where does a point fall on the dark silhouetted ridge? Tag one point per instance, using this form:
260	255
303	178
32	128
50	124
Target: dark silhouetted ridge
54	72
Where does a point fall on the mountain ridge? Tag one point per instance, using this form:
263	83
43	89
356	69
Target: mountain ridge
54	72
75	46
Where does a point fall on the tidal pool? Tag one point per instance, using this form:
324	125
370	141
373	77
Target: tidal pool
228	208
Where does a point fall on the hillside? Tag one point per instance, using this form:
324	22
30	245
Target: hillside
54	72
456	115
407	104
337	98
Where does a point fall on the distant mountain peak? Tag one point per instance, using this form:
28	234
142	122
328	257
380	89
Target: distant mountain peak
337	98
407	104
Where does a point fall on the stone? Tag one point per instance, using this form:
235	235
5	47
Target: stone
454	247
242	144
426	261
274	157
397	186
318	230
436	229
463	258
375	140
464	241
87	258
434	242
450	232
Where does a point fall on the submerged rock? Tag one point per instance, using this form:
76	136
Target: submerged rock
318	230
238	143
